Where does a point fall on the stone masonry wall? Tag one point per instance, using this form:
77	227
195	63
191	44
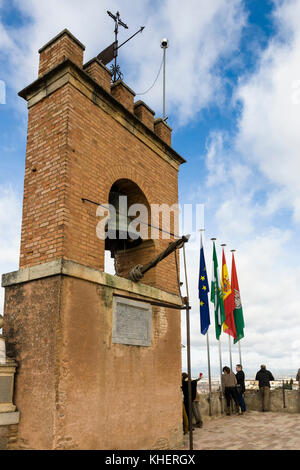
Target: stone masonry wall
253	403
8	436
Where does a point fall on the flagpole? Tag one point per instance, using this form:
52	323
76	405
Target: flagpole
209	373
221	389
230	351
208	353
220	359
229	343
188	344
240	353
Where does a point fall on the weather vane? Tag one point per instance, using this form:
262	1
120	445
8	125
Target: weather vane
111	52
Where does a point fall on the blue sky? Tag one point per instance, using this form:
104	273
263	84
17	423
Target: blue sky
233	104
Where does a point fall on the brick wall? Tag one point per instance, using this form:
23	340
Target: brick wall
83	137
81	140
63	46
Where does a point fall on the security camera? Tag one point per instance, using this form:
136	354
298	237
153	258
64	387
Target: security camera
164	43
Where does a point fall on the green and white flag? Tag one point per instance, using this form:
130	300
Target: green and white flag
217	295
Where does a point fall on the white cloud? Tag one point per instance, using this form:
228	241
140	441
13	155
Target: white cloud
264	156
271	303
200	33
269	128
250	179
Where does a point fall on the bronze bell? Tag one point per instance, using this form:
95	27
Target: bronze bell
119	235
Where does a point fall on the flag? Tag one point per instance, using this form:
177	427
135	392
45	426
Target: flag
229	326
217	295
203	288
238	309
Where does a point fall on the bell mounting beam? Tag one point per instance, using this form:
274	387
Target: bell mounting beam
138	272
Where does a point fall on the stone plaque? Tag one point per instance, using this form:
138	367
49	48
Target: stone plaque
132	322
6	389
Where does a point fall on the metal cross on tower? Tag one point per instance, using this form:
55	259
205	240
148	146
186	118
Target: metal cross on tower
111	52
118	22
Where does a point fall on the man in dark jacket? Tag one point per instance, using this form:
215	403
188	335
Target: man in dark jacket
185	390
240	378
264	377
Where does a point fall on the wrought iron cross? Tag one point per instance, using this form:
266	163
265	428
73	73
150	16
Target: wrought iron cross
118	22
111	52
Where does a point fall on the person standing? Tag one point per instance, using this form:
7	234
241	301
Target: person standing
240	377
229	383
298	378
185	391
185	420
197	411
264	377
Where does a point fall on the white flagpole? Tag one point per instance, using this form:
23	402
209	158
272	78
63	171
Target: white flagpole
230	351
240	353
209	372
221	389
188	348
207	344
220	349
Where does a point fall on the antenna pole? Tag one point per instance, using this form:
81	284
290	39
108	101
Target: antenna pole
116	44
164	45
164	92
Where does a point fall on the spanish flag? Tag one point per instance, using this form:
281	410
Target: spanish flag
229	304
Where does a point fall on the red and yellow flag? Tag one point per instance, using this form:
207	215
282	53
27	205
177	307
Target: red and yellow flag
229	304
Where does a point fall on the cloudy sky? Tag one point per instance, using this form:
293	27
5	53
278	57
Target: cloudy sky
233	101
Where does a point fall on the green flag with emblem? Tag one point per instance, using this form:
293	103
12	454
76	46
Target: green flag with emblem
217	295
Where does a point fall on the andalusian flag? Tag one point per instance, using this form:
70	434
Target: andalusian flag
217	295
238	309
229	306
203	293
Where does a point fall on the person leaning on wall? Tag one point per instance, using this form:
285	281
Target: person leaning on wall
264	377
195	407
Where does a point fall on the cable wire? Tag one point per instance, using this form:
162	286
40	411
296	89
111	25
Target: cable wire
147	91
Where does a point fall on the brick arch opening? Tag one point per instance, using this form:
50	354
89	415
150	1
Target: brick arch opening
127	254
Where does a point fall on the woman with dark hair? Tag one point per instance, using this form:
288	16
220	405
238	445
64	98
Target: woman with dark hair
229	383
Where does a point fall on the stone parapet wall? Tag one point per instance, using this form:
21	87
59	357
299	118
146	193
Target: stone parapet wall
253	402
292	401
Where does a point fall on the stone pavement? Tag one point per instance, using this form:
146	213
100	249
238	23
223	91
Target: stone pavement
252	431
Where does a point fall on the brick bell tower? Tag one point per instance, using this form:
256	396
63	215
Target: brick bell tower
99	365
